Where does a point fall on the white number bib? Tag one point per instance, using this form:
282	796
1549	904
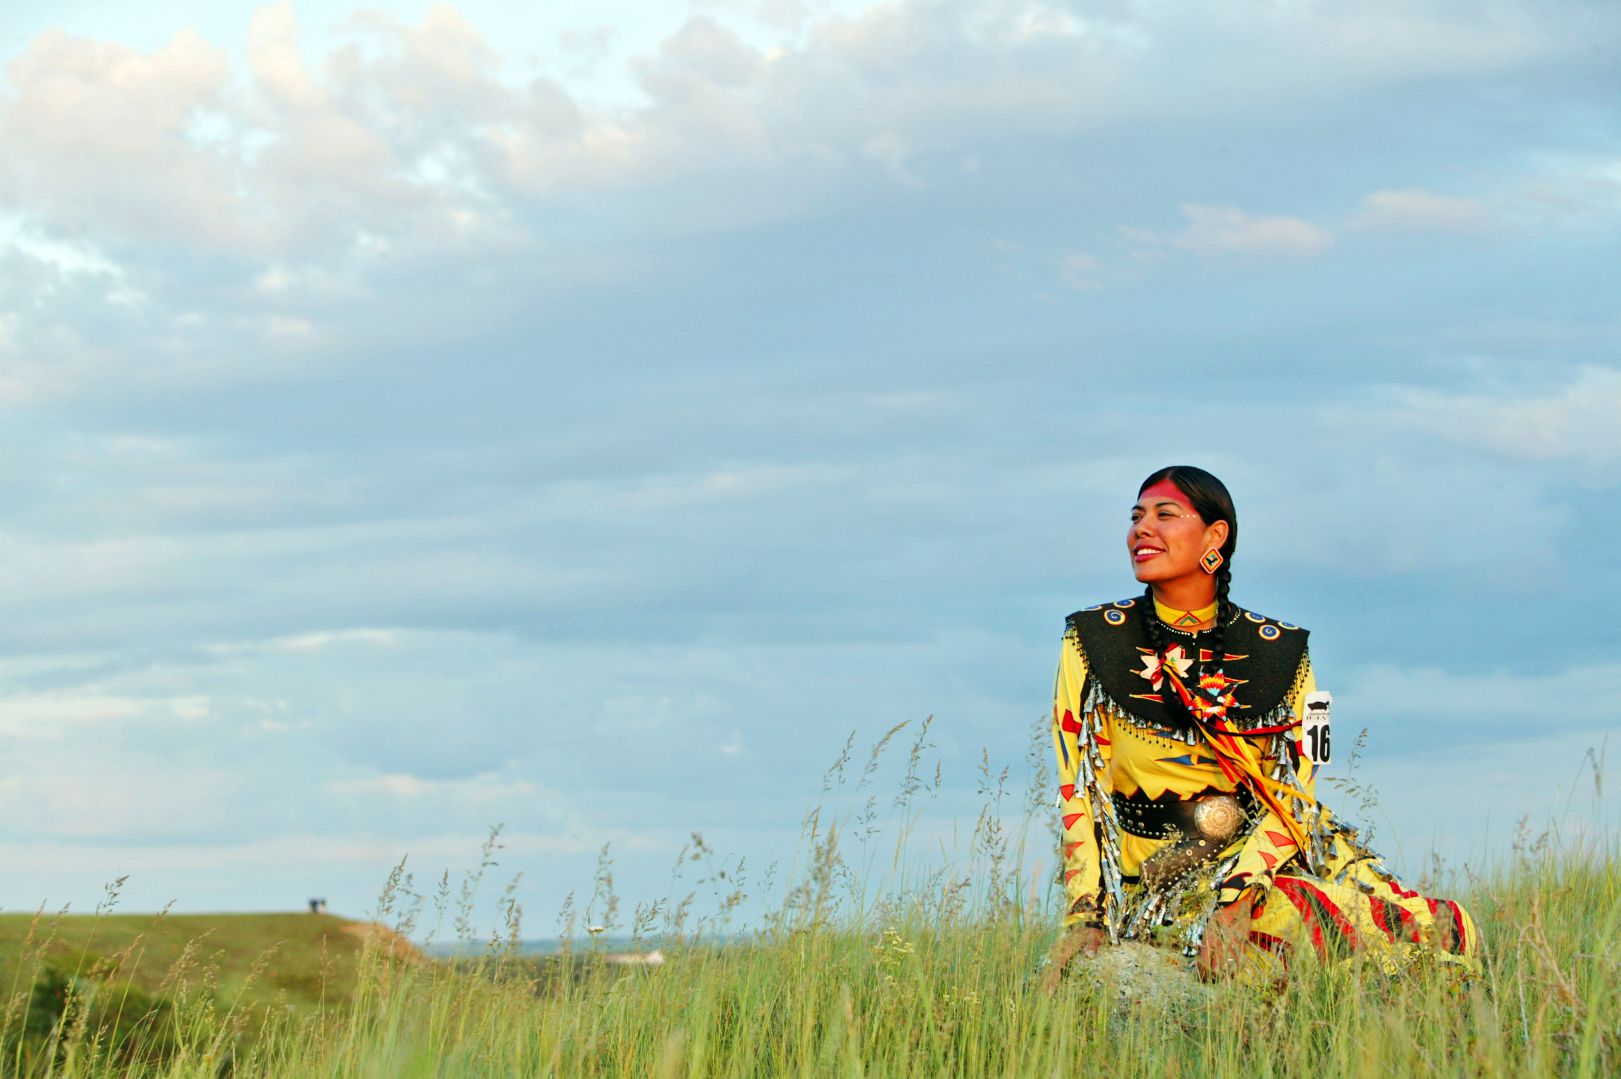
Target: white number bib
1314	737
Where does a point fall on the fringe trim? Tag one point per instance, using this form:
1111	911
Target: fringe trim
1129	912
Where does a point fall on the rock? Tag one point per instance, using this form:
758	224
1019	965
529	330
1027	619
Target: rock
1142	977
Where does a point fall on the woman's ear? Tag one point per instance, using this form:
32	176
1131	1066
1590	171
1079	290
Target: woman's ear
1216	534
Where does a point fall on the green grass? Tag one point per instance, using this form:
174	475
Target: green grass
921	986
926	995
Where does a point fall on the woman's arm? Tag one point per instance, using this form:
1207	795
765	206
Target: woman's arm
1270	845
1080	841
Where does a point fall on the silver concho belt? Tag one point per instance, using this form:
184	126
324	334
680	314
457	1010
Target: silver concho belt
1201	827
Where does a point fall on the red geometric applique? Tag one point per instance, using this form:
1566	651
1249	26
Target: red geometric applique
1376	907
1071	875
1312	903
1070	819
1268	943
1411	930
1069	848
1068	723
1270	861
1066	791
1280	840
1460	936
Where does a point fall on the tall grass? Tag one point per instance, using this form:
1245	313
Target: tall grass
852	974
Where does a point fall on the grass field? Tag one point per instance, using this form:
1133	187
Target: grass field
921	988
938	977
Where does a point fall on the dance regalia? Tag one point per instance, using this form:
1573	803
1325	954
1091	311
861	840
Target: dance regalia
1184	786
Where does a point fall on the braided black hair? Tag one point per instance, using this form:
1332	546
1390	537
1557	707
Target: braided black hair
1211	500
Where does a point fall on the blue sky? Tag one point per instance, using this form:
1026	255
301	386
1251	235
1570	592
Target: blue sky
422	418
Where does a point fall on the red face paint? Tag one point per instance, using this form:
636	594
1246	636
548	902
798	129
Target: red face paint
1166	489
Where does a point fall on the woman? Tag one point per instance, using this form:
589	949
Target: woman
1187	782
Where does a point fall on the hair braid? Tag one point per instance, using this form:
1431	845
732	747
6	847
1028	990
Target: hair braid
1156	636
1224	615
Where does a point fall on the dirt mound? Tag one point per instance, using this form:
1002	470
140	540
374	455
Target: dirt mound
386	941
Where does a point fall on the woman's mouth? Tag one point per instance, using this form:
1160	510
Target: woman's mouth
1143	552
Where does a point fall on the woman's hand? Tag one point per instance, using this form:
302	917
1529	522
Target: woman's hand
1225	937
1076	940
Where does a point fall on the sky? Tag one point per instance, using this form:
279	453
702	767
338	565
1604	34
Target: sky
583	418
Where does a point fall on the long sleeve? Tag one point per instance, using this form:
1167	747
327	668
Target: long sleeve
1270	845
1080	842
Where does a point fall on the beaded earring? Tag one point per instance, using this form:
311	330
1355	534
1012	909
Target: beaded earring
1212	560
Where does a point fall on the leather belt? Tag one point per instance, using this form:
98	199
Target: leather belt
1215	817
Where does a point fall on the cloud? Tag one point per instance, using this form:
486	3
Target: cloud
50	715
413	133
1574	422
1227	230
462	436
403	785
1571	191
1080	270
310	642
170	149
81	803
97	135
1417	210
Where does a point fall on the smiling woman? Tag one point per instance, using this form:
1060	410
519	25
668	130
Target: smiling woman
1188	733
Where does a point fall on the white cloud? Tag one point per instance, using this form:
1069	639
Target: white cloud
474	789
1571	191
145	796
171	149
311	642
1227	230
96	135
1080	270
274	59
420	142
1418	210
50	716
1574	422
104	140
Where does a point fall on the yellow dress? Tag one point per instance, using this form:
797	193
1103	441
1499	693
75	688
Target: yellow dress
1123	742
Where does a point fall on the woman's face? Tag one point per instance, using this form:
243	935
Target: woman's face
1167	538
